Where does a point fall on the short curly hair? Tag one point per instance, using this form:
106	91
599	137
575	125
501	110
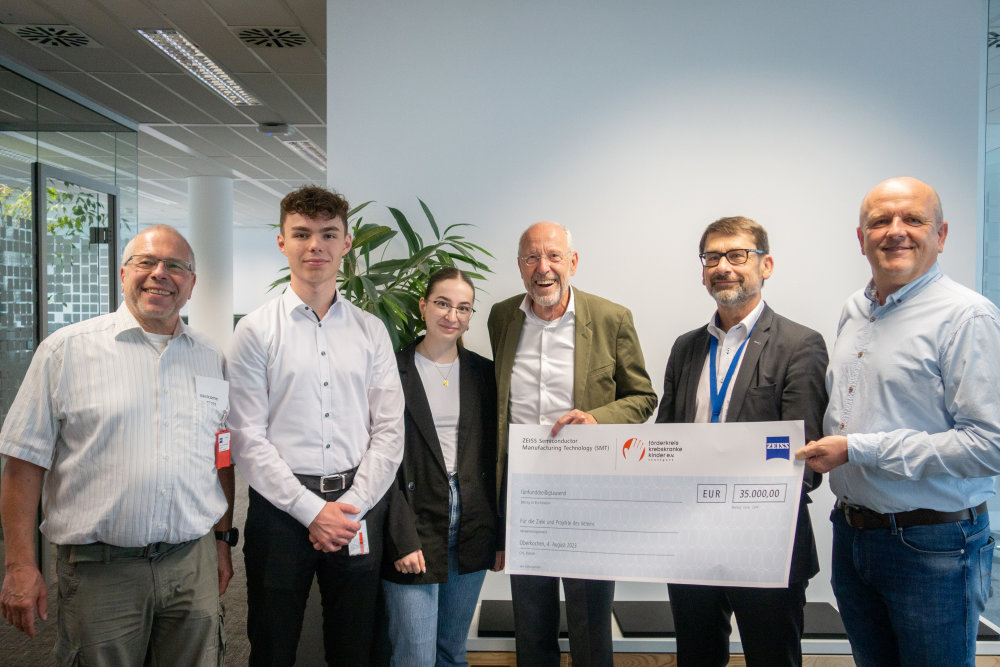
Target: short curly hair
312	201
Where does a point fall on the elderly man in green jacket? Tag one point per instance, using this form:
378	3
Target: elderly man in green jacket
563	357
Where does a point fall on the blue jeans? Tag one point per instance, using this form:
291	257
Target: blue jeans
912	596
429	623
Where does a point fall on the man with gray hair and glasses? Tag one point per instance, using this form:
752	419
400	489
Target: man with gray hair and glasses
124	412
562	357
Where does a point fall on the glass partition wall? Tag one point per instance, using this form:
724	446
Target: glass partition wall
68	199
68	190
990	247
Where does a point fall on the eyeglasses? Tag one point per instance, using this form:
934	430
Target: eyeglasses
148	263
462	311
551	258
735	256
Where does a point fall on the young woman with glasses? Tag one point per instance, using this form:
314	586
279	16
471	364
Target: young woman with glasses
442	527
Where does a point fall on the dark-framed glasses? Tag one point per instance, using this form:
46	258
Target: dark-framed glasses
735	256
461	310
173	266
551	257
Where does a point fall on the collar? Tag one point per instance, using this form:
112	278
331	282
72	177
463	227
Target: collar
124	321
747	322
907	291
292	303
535	319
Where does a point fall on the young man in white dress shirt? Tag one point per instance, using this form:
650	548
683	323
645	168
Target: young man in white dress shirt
317	421
122	412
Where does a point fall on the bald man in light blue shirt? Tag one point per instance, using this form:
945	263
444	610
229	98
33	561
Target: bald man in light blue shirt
913	440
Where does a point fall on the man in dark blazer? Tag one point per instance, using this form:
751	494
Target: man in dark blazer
767	368
562	357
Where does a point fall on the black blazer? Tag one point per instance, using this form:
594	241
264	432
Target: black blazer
418	510
781	378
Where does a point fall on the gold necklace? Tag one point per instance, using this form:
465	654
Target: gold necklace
444	377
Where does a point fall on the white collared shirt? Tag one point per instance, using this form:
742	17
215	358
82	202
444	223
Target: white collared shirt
729	344
119	425
541	381
314	397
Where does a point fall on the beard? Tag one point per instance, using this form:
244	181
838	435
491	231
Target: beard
734	296
547	300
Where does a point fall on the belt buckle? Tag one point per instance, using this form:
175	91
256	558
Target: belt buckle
850	512
331	483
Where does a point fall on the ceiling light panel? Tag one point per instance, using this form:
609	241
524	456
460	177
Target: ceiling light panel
309	151
186	54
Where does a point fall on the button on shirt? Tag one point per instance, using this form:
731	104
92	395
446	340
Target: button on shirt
128	444
541	381
913	386
314	397
729	344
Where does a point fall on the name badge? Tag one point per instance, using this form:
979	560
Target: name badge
222	455
359	546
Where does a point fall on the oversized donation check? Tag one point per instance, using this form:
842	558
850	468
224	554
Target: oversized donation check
684	503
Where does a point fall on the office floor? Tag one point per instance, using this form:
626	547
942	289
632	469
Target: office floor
17	650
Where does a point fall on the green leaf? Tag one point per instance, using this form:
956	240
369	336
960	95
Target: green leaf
371	291
370	237
390	265
430	218
413	241
280	281
380	312
357	209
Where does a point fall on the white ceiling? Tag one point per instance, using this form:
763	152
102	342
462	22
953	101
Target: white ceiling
185	128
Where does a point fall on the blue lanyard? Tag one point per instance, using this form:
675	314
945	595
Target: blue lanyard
719	395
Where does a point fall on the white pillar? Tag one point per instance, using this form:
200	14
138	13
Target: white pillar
210	214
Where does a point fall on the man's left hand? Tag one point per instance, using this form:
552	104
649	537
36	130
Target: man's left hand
225	565
825	454
572	417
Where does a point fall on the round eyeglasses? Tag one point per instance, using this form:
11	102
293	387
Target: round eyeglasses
462	311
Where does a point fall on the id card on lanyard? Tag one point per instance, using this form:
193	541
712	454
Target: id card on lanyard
717	393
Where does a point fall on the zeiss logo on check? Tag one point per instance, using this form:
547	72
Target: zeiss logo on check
778	447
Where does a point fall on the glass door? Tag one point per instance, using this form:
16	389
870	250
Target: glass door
76	278
76	219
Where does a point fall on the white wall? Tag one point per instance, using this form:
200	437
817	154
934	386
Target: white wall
257	263
638	123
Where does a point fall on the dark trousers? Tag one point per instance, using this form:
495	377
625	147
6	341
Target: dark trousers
536	620
770	621
281	564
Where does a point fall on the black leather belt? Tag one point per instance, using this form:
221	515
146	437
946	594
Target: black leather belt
864	518
325	484
99	552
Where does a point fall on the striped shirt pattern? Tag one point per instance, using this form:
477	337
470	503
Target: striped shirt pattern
128	444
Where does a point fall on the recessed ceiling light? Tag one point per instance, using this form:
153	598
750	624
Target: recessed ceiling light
309	151
186	54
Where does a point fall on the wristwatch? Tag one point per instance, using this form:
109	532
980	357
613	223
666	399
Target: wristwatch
230	537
